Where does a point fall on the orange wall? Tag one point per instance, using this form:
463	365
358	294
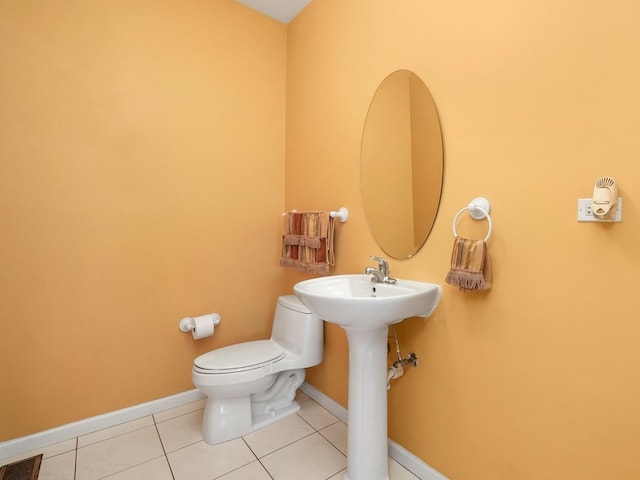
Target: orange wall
537	378
141	180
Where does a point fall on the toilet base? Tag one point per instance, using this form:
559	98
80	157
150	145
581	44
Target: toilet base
228	417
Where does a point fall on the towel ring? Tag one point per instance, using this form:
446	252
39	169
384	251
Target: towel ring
479	209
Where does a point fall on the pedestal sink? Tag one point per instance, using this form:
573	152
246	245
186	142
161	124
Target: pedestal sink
365	309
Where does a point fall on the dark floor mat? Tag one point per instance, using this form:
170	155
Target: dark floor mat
23	470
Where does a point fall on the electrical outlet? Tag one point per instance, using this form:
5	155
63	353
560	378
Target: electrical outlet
585	211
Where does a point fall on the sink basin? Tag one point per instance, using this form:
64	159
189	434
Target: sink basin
355	301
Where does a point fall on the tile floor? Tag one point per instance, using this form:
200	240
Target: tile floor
310	445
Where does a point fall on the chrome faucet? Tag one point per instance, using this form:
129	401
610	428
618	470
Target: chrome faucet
381	274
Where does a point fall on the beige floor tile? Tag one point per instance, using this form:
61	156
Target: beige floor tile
278	435
116	454
339	475
58	467
253	471
317	416
204	462
48	451
398	472
181	431
156	469
58	448
114	431
312	458
337	435
181	410
301	396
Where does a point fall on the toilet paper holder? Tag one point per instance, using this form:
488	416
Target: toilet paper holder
188	324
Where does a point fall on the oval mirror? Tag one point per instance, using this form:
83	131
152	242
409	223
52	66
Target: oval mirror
401	164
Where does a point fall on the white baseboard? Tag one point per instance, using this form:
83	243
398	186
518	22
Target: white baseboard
334	407
404	457
29	443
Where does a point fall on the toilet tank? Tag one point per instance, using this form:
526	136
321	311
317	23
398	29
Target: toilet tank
298	331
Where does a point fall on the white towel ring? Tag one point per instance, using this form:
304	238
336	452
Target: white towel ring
479	209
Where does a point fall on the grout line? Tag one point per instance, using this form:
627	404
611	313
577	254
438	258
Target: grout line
169	465
330	442
306	421
287	445
257	458
249	447
114	435
130	466
75	461
283	446
164	450
264	467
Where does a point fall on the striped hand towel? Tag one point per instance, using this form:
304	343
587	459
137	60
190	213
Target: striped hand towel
307	242
470	265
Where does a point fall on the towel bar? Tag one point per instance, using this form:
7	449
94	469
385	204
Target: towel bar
341	214
479	209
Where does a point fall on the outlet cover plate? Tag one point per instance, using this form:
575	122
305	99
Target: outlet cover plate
585	212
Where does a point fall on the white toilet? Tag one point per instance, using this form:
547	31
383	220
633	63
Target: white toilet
250	385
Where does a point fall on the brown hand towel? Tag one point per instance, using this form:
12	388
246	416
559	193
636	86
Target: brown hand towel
470	265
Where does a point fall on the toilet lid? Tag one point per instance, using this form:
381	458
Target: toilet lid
243	356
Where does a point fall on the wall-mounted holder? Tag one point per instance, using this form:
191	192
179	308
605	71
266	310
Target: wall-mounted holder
200	327
604	206
342	214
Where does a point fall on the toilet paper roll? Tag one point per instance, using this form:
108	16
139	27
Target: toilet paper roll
200	327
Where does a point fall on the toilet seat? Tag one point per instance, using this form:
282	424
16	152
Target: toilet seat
239	358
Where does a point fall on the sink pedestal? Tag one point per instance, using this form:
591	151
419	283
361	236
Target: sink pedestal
365	309
367	449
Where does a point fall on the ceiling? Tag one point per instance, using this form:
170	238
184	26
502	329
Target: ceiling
282	10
